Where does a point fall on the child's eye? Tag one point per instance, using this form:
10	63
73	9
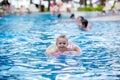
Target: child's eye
62	43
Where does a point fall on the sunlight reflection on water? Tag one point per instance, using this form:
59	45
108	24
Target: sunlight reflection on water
23	41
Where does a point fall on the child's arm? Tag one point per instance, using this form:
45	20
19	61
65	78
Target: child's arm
77	49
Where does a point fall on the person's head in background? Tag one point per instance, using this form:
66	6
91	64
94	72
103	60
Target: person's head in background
80	18
59	15
83	23
103	12
72	16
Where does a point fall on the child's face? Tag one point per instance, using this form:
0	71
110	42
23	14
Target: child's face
62	43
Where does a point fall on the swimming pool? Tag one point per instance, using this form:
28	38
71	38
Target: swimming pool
24	39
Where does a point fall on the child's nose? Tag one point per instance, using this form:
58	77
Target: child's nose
62	44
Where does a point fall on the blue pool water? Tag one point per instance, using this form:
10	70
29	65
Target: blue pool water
24	39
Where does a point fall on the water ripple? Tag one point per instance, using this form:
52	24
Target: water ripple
24	39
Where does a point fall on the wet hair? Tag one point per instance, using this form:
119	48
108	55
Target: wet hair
81	17
62	36
84	23
72	16
59	15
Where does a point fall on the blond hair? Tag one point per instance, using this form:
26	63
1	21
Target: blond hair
62	36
